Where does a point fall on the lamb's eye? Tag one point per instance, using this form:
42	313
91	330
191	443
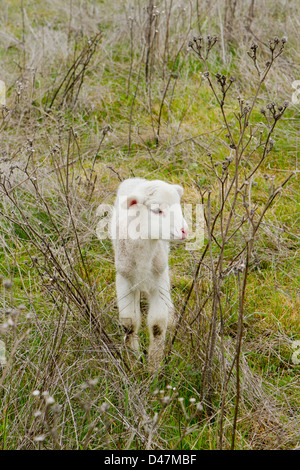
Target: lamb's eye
157	211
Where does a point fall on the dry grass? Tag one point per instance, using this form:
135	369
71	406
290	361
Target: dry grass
79	117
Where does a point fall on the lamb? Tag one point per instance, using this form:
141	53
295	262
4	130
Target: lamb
147	215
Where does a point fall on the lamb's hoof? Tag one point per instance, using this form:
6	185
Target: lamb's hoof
155	362
132	350
131	342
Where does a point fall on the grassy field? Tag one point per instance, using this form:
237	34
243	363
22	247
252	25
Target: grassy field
100	91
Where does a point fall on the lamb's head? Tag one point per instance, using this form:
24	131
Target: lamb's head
155	211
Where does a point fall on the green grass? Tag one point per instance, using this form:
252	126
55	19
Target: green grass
58	351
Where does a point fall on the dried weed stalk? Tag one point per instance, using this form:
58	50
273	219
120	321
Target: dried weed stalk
231	215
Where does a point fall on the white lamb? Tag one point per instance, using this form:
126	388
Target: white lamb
146	216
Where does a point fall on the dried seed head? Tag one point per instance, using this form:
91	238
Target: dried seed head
166	400
93	382
199	406
49	401
104	407
56	408
40	438
7	284
155	418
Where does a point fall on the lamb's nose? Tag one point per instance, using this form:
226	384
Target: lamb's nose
184	233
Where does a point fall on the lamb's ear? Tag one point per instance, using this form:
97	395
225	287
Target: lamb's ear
179	189
132	200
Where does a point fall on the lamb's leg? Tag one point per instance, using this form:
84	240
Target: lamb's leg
129	311
158	319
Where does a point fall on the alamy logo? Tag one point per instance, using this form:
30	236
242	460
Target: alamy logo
193	214
2	93
296	353
296	94
2	354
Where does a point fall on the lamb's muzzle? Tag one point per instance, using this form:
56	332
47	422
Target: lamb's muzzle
147	215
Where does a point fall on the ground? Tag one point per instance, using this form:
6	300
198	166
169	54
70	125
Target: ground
91	100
